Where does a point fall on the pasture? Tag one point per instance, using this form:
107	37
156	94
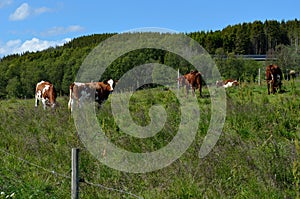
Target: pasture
257	155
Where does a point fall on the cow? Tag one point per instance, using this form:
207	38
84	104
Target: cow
227	83
273	78
46	93
292	74
80	92
193	79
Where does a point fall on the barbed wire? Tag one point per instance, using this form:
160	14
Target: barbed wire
110	189
68	177
35	165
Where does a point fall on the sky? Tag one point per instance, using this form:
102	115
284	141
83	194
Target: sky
34	25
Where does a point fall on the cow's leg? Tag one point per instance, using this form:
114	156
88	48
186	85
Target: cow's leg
73	102
44	101
273	88
279	87
79	103
70	104
200	90
187	90
193	90
268	84
36	100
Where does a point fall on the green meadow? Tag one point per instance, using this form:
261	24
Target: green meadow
256	156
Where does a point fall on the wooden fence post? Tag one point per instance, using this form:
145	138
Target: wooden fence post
75	174
259	76
178	85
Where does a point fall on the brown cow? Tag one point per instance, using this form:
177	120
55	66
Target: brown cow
80	92
45	92
273	78
192	79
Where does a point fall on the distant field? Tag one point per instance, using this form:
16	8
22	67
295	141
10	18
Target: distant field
257	155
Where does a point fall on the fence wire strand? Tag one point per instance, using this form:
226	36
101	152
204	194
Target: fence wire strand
68	177
111	189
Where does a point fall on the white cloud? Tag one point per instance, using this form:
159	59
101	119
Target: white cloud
4	3
36	44
62	30
12	43
21	13
24	11
41	10
33	45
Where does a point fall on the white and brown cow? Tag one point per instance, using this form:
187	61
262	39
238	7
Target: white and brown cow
227	83
80	92
46	93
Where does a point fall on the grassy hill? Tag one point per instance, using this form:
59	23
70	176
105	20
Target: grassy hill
257	155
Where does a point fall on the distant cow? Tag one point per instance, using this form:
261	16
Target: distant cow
192	79
45	92
292	74
227	83
79	92
273	78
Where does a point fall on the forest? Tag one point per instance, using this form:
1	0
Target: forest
278	40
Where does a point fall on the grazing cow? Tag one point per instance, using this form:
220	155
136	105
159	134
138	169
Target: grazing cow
273	78
80	92
192	79
227	83
45	92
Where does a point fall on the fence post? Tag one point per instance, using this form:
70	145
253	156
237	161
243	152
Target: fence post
75	174
178	80
259	76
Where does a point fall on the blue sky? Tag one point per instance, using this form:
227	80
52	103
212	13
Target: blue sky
31	25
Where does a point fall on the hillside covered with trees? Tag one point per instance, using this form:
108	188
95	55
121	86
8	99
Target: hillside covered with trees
59	65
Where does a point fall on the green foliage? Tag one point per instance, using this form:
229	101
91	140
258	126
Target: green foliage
13	87
250	38
238	68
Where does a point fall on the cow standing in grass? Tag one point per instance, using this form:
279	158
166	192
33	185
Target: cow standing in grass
273	78
80	92
192	79
227	83
46	93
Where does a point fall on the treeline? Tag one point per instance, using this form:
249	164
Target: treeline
59	65
250	38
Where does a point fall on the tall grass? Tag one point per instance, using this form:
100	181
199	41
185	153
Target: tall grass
257	155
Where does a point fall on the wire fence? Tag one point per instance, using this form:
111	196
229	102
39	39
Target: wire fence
53	172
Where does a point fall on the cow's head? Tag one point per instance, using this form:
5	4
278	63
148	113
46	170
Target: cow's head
110	82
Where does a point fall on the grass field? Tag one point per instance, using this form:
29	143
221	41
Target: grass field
257	155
